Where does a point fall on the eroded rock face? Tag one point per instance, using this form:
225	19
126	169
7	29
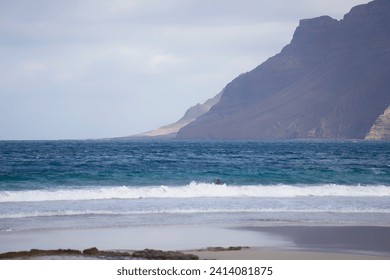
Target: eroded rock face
381	127
170	131
331	82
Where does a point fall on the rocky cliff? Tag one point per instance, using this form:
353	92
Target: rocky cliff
331	81
381	127
170	131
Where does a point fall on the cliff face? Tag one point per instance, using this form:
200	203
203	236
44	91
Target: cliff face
381	127
199	109
170	131
331	81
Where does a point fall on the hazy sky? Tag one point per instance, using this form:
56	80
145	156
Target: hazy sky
73	69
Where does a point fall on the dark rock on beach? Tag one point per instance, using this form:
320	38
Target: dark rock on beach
221	249
91	251
150	254
33	253
94	253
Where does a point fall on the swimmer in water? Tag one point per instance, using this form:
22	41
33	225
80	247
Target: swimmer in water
218	182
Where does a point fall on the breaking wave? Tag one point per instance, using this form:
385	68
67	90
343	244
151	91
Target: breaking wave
184	211
194	190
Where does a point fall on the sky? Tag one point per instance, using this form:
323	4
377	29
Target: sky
83	69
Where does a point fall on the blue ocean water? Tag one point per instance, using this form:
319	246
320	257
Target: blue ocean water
106	184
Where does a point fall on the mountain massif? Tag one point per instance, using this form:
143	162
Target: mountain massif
331	82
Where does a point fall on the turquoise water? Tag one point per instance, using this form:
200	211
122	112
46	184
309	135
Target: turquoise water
102	184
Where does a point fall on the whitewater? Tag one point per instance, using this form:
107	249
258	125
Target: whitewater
194	190
46	185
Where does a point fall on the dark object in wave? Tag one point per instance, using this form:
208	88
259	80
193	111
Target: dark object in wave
218	182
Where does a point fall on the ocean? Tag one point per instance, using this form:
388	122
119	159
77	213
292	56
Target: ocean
57	185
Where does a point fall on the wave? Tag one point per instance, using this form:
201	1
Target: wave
185	211
194	190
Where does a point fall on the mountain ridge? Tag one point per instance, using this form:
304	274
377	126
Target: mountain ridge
170	131
330	82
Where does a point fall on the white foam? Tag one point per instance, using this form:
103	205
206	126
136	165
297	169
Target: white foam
194	190
187	211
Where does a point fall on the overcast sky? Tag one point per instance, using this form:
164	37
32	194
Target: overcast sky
76	69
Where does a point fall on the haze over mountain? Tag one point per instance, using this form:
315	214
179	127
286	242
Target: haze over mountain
170	131
331	82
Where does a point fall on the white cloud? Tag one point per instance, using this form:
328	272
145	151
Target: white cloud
101	68
32	66
160	61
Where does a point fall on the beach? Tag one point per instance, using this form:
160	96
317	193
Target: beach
273	199
287	242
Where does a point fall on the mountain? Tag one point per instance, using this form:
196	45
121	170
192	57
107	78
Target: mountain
170	131
381	127
331	82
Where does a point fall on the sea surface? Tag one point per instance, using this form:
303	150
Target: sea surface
51	185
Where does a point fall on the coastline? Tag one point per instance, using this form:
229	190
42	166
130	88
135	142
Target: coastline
274	242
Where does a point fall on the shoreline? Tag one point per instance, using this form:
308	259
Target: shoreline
243	253
272	242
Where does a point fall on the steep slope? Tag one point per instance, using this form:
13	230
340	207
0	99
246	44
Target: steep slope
381	128
170	131
331	81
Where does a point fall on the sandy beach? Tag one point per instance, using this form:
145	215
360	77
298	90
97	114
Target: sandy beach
288	242
279	254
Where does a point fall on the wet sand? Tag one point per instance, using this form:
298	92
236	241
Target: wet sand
280	254
364	239
289	242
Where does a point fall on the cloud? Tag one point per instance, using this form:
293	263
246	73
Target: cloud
101	68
